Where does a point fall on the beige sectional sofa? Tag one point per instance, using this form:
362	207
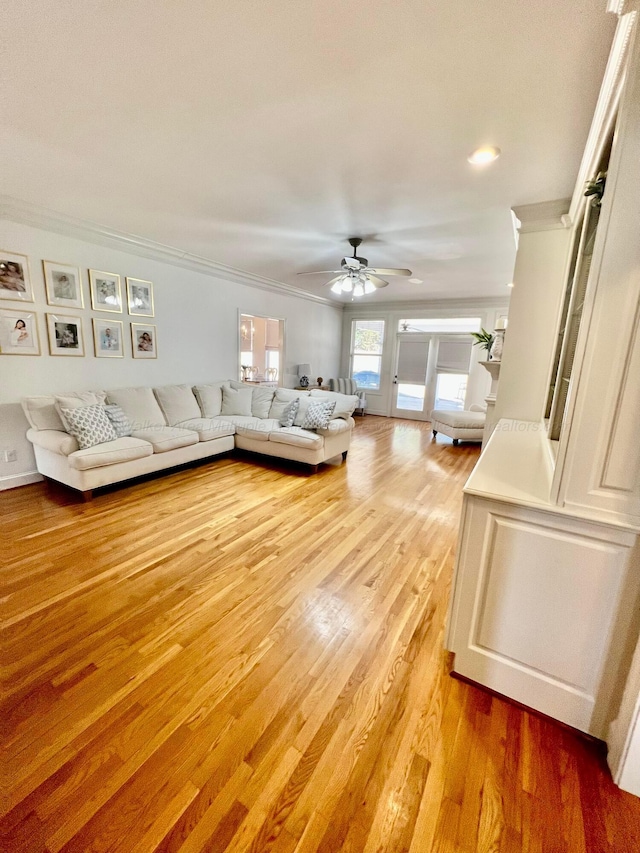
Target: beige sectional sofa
176	424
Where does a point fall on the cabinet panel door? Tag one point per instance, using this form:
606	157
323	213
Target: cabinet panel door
541	608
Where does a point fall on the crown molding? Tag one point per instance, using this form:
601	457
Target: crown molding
37	216
606	107
542	216
465	306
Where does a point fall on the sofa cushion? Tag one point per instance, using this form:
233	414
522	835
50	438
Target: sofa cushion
78	399
318	415
54	440
346	404
209	398
282	398
208	428
297	436
289	414
120	421
139	405
178	403
164	438
89	424
261	400
261	397
258	429
109	453
236	401
41	413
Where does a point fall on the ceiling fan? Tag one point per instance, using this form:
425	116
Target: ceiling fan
356	276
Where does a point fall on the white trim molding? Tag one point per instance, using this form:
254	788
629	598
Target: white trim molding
37	216
15	480
542	216
606	107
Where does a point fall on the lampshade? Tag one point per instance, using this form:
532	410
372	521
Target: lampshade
356	285
304	370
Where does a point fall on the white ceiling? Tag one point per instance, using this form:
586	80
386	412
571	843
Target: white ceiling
261	135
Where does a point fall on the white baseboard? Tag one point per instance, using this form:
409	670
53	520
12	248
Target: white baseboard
15	480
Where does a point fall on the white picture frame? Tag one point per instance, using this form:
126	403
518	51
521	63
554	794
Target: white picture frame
19	332
140	297
63	285
144	343
108	338
15	277
106	291
65	335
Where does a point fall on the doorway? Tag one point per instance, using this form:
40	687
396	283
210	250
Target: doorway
261	349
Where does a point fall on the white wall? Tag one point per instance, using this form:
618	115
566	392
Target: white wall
380	402
529	343
197	319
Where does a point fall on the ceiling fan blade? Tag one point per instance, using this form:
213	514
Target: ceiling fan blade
320	272
381	271
377	282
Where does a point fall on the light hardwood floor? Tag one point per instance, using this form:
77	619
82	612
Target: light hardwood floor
241	657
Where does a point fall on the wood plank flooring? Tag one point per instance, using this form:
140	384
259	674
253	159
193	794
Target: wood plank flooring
240	657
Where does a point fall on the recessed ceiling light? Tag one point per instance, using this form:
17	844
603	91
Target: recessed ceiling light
482	156
415	280
510	284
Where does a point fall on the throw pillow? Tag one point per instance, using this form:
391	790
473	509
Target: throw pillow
289	414
236	401
90	425
121	423
318	415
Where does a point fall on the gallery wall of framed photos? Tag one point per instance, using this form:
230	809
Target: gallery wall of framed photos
64	289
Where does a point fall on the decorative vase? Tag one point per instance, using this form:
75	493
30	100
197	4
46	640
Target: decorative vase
495	353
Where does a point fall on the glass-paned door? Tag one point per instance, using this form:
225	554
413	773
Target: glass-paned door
410	392
431	372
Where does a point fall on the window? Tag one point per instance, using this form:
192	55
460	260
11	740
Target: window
367	338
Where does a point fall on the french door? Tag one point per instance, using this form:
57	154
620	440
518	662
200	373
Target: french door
430	372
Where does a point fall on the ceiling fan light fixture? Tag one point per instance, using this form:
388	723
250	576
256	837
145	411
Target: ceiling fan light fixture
483	156
369	286
358	289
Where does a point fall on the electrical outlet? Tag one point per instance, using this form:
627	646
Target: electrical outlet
9	456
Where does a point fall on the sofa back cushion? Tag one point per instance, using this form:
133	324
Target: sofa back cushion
236	401
178	403
346	404
139	405
261	397
209	398
282	398
77	400
41	413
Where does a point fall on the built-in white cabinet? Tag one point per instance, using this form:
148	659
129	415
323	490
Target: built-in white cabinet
545	606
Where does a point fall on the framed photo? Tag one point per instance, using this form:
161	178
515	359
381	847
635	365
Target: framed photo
140	297
108	338
106	291
63	285
18	333
15	278
65	334
143	341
